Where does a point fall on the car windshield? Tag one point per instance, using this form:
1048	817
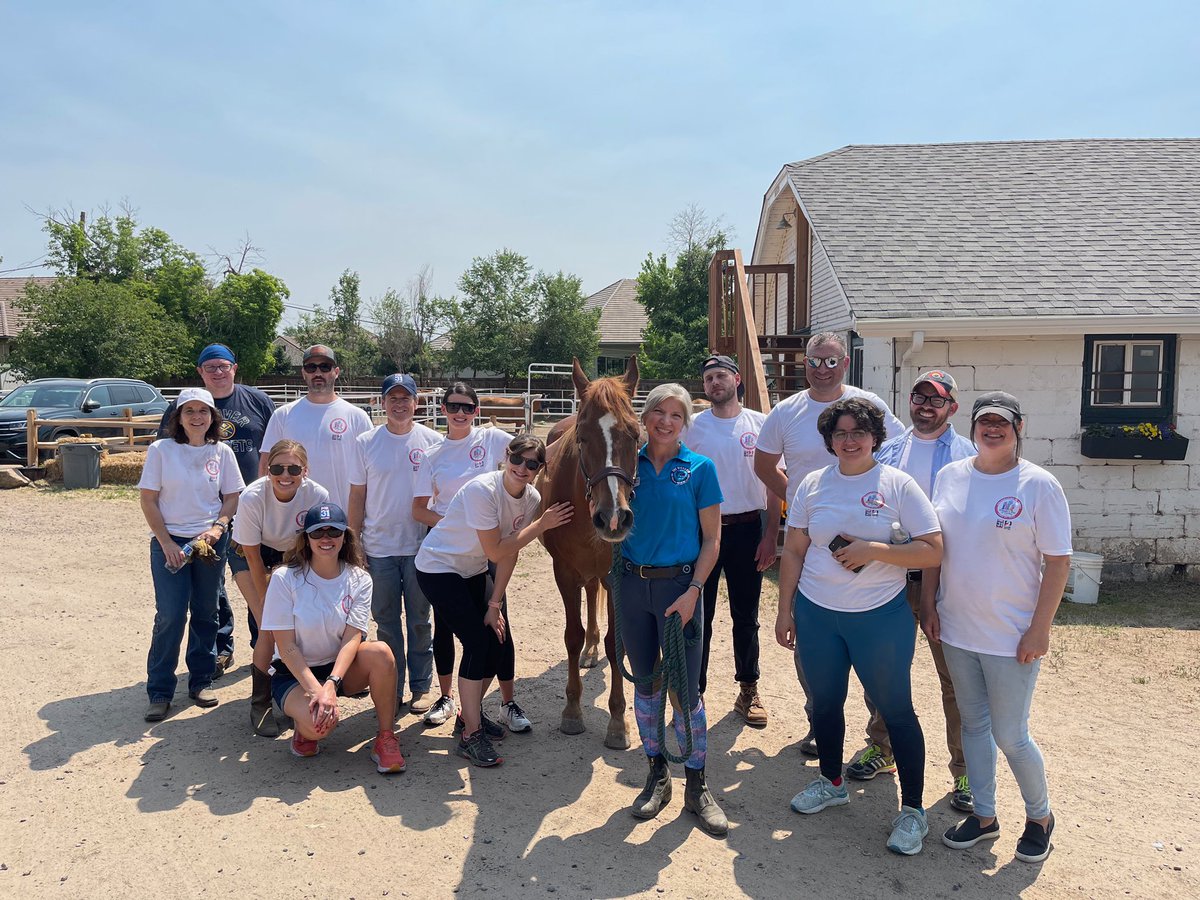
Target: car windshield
43	397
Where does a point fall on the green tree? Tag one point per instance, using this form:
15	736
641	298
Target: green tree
494	320
242	312
566	328
408	325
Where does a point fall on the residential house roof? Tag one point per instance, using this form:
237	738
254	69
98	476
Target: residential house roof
1023	228
12	319
622	317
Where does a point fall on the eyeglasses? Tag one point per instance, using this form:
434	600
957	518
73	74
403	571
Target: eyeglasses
531	464
222	369
453	406
318	367
325	533
278	469
857	434
922	399
829	362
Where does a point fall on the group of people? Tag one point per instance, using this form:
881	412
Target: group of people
888	529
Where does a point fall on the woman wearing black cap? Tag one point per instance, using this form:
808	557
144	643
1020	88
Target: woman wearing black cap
991	604
317	609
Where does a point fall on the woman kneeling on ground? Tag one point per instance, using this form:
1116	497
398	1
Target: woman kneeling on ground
270	516
848	548
317	609
486	520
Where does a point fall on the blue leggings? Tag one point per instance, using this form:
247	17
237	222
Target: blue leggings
879	644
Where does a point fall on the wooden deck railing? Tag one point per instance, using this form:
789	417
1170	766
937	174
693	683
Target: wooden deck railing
731	329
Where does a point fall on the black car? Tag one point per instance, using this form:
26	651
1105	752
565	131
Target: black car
71	398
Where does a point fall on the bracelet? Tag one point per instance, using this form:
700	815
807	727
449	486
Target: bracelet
222	525
495	605
697	585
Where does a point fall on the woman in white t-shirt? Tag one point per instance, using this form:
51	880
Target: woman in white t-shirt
990	605
270	515
317	608
491	518
850	610
189	492
467	452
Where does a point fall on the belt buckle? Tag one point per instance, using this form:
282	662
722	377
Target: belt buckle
641	572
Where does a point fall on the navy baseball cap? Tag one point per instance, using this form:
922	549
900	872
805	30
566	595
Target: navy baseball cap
399	380
325	515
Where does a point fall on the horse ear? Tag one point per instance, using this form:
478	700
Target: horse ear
631	376
577	376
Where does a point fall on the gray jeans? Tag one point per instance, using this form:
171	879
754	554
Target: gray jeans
396	598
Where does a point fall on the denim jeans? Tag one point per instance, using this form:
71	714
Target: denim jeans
193	589
994	694
395	591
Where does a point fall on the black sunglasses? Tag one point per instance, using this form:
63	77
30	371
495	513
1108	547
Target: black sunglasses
326	532
278	469
531	464
453	406
921	399
318	367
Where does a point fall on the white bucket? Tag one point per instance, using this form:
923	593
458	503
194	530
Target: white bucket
1083	584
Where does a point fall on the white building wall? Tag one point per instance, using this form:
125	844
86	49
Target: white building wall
830	312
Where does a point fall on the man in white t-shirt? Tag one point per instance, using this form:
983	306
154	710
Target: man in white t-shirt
922	451
324	423
381	491
790	434
727	434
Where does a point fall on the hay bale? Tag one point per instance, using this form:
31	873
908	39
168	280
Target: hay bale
119	468
11	477
84	439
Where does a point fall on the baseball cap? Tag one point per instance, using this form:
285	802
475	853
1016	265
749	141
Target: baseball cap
325	515
943	383
998	402
195	393
215	351
398	380
718	362
320	351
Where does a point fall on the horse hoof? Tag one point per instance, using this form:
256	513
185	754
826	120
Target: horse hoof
571	726
616	740
590	659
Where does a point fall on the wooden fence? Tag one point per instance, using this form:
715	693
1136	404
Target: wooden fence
128	439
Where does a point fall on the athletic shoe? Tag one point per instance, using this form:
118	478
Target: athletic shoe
385	753
303	747
441	711
1034	845
494	730
820	794
962	799
478	749
518	722
870	763
908	832
969	832
420	702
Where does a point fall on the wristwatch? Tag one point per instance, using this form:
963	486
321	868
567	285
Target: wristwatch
337	682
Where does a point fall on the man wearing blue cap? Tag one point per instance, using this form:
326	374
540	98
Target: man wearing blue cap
246	411
380	512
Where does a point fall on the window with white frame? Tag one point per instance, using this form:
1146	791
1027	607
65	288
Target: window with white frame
1128	378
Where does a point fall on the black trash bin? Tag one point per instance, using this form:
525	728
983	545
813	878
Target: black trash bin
80	465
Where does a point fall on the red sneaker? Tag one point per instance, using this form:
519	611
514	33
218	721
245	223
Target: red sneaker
386	753
303	747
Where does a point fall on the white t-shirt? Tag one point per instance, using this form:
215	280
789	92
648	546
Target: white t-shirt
318	610
327	431
917	461
730	443
864	506
791	429
262	519
996	529
453	463
483	503
190	482
387	464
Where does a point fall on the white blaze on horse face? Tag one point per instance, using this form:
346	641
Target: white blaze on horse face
607	421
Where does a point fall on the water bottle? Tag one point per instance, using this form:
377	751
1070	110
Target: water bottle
188	550
900	534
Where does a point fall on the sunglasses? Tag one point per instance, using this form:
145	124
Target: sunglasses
326	532
518	460
278	469
829	362
922	399
318	367
453	406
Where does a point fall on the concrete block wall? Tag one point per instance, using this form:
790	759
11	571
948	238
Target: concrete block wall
1144	517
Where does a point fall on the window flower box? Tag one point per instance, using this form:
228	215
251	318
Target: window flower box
1144	441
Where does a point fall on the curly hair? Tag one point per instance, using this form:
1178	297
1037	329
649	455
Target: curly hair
176	431
866	415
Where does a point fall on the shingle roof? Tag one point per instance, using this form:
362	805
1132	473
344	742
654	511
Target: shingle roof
1018	228
12	320
622	317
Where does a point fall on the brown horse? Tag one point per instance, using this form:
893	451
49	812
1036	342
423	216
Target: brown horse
593	466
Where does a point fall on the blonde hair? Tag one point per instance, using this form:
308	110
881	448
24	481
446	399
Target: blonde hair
288	446
669	391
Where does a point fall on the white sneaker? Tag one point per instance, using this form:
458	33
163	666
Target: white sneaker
908	831
515	718
819	795
441	712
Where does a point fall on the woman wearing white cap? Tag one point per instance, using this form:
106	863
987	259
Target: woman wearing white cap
189	492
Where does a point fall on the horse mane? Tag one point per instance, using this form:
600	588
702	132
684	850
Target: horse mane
609	394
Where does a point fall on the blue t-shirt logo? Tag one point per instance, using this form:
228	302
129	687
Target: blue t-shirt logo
681	474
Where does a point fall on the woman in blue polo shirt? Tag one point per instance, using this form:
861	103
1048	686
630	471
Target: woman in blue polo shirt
667	557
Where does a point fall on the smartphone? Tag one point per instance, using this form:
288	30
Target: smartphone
837	544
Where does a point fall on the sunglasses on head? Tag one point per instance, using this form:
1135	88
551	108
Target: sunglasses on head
453	406
277	469
318	367
921	399
518	460
829	362
326	532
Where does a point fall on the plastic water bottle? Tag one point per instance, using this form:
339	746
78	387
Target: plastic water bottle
900	534
188	550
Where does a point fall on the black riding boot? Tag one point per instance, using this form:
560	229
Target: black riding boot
657	792
262	716
699	799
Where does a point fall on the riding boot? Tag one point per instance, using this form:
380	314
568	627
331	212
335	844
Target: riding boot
657	792
262	717
699	799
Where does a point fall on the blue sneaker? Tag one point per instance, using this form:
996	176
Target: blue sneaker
820	794
908	832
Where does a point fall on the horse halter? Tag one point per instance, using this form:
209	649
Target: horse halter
590	481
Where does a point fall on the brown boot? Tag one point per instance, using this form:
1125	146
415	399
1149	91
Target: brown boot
749	706
262	716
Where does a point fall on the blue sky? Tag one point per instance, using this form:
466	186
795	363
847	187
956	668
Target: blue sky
384	137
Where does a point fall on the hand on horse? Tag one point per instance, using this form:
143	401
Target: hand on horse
685	605
494	619
558	514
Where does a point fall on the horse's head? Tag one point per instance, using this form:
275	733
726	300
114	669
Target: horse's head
607	435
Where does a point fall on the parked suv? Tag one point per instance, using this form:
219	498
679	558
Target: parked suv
71	398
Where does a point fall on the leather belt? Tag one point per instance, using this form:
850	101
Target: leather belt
914	575
658	571
740	518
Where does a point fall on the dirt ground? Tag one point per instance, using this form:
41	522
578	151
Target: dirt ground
94	802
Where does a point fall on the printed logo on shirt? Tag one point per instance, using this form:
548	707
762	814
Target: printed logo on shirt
749	441
213	468
338	426
681	474
1008	508
477	454
415	456
518	522
874	502
347	602
300	518
227	430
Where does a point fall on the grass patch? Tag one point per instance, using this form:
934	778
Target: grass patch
104	492
1151	604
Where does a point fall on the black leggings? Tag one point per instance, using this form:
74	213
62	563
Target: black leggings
459	606
443	638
